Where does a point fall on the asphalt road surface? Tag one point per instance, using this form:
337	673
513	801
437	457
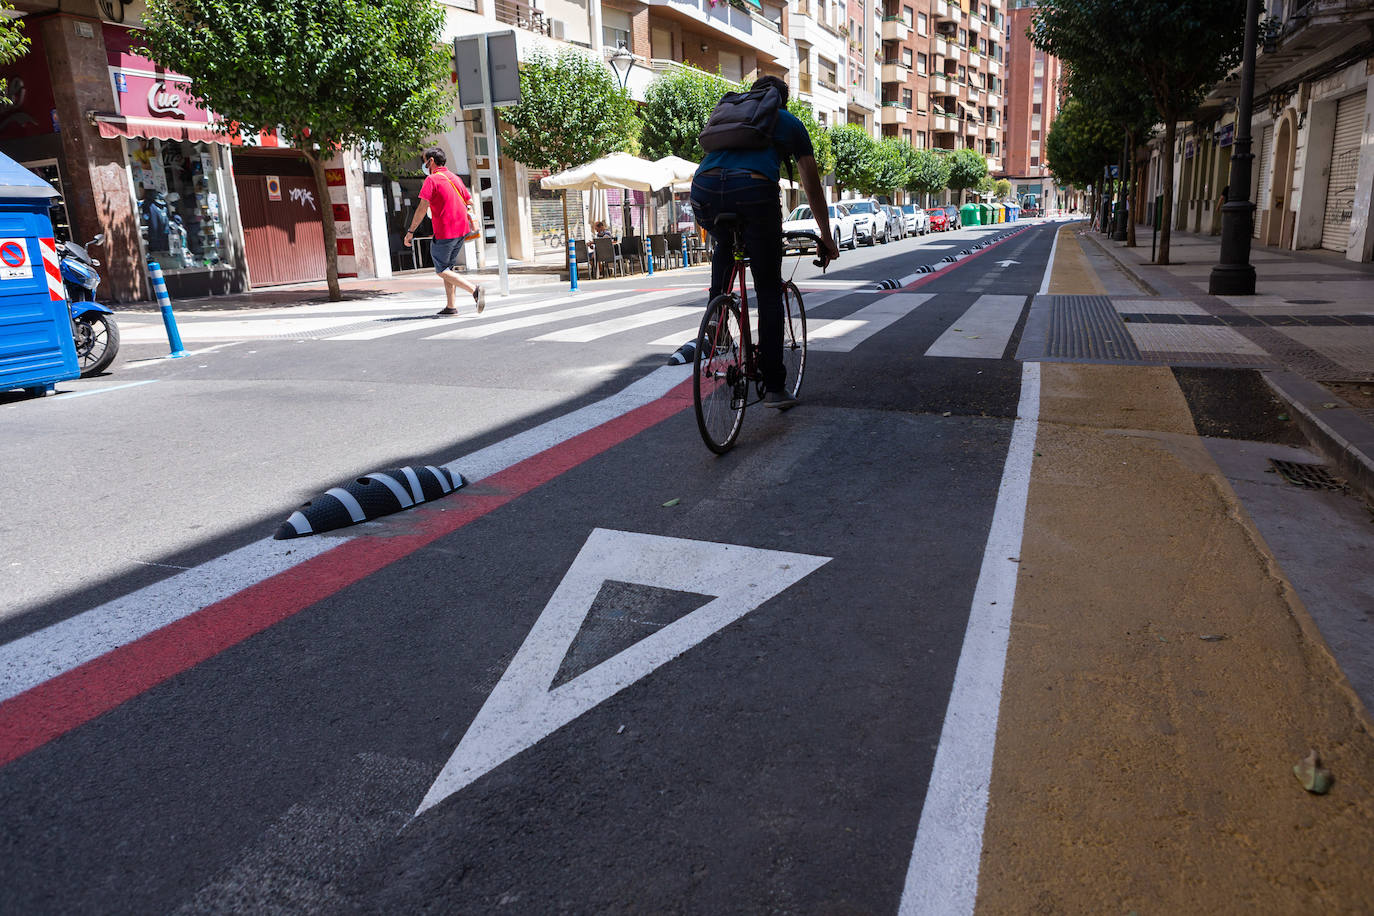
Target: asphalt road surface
614	673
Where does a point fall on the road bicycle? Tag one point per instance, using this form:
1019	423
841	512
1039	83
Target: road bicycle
726	377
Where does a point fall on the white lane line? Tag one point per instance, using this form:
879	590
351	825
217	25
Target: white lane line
1049	265
844	334
983	331
40	656
392	326
588	332
67	396
942	878
480	328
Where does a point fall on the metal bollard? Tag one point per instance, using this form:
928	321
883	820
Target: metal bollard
572	263
169	320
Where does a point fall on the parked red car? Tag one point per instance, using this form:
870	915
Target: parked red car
939	219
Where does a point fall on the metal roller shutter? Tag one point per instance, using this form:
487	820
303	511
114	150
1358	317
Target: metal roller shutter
1266	170
1345	163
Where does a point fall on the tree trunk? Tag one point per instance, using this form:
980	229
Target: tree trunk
1133	191
331	232
1166	181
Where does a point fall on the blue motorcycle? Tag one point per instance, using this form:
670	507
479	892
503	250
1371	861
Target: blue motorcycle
93	325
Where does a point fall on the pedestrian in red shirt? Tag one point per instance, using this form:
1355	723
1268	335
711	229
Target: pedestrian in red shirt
449	204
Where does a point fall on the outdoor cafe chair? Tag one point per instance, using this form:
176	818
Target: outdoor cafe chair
581	254
676	249
632	250
606	255
658	247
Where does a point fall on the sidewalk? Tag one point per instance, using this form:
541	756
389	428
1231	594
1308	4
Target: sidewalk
1310	327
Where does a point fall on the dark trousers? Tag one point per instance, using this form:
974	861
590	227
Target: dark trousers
755	203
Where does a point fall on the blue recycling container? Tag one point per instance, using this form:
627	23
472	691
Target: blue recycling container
36	347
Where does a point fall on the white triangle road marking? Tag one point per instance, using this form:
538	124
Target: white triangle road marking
522	710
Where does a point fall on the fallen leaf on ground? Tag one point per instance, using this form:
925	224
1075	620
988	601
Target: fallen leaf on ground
1212	637
1314	777
672	502
1329	405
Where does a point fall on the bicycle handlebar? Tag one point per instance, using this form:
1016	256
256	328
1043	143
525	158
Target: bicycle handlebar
808	234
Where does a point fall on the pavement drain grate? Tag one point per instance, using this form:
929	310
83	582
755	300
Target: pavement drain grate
1307	476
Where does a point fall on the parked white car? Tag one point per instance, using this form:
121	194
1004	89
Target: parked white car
841	226
895	221
870	221
917	220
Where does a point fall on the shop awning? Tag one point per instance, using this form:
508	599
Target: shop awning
112	126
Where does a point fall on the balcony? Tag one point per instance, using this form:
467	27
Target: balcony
804	83
941	46
727	22
994	100
938	84
861	99
942	123
947	12
974	58
893	113
806	25
829	82
895	72
523	16
895	29
976	23
993	67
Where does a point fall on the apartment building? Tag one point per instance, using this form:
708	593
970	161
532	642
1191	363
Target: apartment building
1312	178
941	75
1031	104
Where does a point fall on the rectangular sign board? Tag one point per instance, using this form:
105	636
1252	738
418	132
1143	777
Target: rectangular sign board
502	65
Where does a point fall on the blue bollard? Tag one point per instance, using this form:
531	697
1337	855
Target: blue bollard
572	263
169	320
649	257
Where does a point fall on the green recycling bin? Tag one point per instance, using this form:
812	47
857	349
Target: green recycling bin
968	215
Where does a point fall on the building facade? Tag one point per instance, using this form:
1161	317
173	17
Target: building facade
1312	178
1031	104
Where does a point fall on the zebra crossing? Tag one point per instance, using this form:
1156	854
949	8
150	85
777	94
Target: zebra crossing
841	316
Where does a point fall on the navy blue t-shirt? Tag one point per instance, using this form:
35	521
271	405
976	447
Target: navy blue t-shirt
790	140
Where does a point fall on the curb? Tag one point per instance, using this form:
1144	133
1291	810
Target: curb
1338	432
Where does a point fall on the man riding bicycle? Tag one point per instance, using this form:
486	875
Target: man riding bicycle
744	181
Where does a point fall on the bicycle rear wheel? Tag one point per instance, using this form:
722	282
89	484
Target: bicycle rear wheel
719	388
793	337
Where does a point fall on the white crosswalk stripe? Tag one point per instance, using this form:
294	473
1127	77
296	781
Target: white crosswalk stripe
811	300
484	327
588	332
983	331
842	335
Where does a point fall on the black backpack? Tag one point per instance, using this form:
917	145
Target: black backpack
743	120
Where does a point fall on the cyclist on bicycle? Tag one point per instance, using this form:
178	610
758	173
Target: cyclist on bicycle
744	181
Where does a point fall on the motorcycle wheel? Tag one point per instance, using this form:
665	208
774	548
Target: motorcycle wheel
97	342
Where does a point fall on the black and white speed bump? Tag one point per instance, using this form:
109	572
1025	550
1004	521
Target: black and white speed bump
684	354
368	497
889	284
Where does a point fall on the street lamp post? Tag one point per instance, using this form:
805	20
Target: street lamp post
622	61
1235	275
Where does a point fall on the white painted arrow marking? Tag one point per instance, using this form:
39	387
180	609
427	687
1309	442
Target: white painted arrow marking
522	710
1007	263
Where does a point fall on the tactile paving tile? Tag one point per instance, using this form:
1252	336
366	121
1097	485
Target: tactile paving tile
1088	327
1190	338
1158	307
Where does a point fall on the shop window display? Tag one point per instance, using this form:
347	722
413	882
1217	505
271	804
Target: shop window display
180	203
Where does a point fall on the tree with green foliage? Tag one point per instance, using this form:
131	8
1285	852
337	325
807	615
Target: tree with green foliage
677	105
1079	143
820	137
927	172
1001	188
966	169
886	170
14	44
571	112
349	74
1176	49
854	150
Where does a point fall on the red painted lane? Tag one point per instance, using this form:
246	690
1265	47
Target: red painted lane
55	707
917	284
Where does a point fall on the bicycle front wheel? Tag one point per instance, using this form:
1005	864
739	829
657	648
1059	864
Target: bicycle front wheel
719	388
793	337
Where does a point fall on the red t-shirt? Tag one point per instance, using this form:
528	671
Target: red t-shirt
448	203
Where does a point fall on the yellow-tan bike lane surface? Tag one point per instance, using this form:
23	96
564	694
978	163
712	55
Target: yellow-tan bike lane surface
1162	679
